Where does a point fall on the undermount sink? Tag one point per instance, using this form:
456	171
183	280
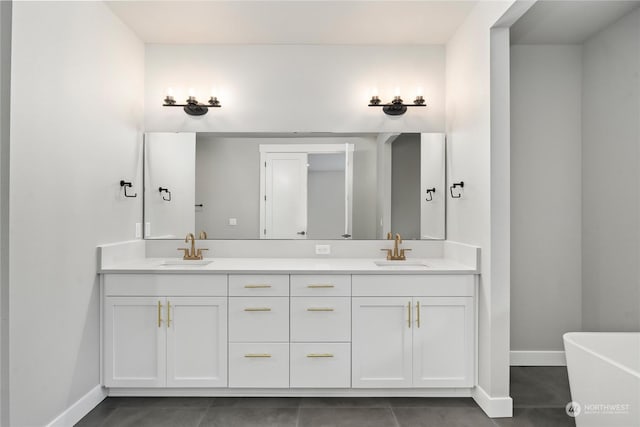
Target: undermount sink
406	263
185	262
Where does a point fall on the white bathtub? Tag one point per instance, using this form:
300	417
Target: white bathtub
604	377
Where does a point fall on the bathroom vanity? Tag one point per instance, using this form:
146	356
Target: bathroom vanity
286	327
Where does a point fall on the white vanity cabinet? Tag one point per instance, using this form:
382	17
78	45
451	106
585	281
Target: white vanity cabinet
338	334
165	331
413	331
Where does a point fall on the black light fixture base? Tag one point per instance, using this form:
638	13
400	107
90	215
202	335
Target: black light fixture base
196	109
394	109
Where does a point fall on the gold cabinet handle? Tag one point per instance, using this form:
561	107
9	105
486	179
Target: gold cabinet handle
320	286
168	314
159	314
418	313
409	310
320	309
257	309
320	355
256	286
257	355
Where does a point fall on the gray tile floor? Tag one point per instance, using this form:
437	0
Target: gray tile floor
539	393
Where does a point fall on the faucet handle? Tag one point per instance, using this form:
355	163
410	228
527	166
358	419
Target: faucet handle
199	252
186	252
388	253
402	251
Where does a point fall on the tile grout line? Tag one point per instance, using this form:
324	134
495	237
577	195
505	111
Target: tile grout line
393	414
298	414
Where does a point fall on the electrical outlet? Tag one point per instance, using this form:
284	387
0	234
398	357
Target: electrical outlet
323	249
233	221
138	230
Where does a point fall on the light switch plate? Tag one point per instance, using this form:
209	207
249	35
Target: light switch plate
323	249
233	221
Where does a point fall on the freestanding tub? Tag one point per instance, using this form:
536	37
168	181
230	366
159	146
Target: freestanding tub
604	377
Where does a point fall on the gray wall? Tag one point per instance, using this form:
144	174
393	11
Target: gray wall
545	195
575	174
228	185
325	204
611	178
405	186
5	85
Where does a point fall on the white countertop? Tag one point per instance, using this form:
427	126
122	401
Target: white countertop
291	265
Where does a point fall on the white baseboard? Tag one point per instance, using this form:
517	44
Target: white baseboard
494	407
538	358
79	409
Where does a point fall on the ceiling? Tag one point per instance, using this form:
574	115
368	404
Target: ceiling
567	22
293	22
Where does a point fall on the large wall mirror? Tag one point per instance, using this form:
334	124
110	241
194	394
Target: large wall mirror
294	185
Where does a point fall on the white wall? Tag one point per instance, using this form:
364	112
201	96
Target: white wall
295	87
170	162
611	174
5	87
469	157
77	92
546	195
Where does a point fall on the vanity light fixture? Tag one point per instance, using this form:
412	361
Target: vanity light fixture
397	107
192	106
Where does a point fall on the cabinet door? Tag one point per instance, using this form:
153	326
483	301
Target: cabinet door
443	343
196	342
134	341
381	342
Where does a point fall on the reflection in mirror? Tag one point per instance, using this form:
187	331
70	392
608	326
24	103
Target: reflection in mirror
294	186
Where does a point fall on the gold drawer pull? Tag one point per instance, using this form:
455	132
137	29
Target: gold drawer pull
320	355
159	314
256	286
320	309
320	286
168	314
258	355
257	309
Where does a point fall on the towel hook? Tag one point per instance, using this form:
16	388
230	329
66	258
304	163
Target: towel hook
456	184
126	185
165	190
430	192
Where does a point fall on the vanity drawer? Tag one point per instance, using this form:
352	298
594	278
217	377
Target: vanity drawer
246	285
323	285
165	285
320	365
259	319
316	319
435	285
259	365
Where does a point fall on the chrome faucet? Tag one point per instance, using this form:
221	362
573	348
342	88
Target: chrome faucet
191	253
396	254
